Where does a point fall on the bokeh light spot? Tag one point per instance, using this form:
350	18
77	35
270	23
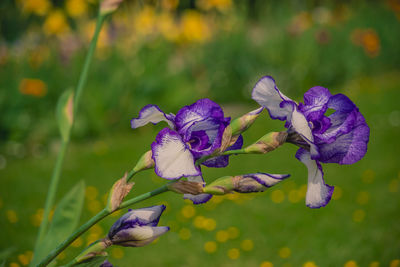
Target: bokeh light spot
395	263
277	196
188	211
358	215
185	234
310	264
247	245
117	253
362	198
12	216
233	253
222	236
210	246
266	264
350	264
284	252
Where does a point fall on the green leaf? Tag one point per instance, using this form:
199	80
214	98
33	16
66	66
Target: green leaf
5	254
65	220
93	262
65	113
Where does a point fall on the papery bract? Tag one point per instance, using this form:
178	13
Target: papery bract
340	137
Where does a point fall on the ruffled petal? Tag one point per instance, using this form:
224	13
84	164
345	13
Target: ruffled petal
223	161
172	157
210	128
315	102
256	182
153	114
267	94
318	193
347	148
198	111
201	198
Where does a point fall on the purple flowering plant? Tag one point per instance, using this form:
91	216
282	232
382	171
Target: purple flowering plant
200	135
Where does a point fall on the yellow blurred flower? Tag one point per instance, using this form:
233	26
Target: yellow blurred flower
167	26
145	21
194	27
76	8
33	87
56	23
169	4
37	7
368	39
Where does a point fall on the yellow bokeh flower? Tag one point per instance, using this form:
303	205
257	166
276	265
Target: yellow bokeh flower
56	23
37	7
76	8
194	27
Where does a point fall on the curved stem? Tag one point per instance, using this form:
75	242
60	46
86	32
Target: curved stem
57	169
98	217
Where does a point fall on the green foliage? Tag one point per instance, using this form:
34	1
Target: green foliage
65	220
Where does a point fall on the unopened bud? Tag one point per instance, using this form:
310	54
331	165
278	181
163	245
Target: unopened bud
145	162
221	186
118	192
267	143
96	249
248	183
244	122
186	187
109	6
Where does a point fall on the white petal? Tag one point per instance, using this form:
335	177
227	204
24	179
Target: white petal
139	233
318	193
147	215
172	157
268	95
153	114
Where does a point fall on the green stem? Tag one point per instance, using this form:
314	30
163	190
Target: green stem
52	192
88	60
60	158
99	216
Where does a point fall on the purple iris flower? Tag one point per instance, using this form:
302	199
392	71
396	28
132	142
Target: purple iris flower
340	137
196	131
138	227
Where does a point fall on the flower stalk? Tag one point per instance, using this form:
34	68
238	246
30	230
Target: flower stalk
55	178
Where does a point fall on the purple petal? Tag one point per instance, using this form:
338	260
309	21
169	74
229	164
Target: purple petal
201	198
318	193
347	148
209	132
153	114
172	156
198	111
223	161
315	102
267	94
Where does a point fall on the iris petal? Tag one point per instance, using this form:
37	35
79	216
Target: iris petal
267	94
318	193
172	156
153	114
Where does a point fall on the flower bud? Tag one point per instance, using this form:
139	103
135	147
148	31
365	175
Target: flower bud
109	6
145	162
186	187
95	249
241	124
267	143
137	227
118	192
248	183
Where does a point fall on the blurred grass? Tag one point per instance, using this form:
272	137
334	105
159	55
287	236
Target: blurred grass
360	224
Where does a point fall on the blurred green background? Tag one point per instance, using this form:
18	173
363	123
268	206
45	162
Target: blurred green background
171	53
